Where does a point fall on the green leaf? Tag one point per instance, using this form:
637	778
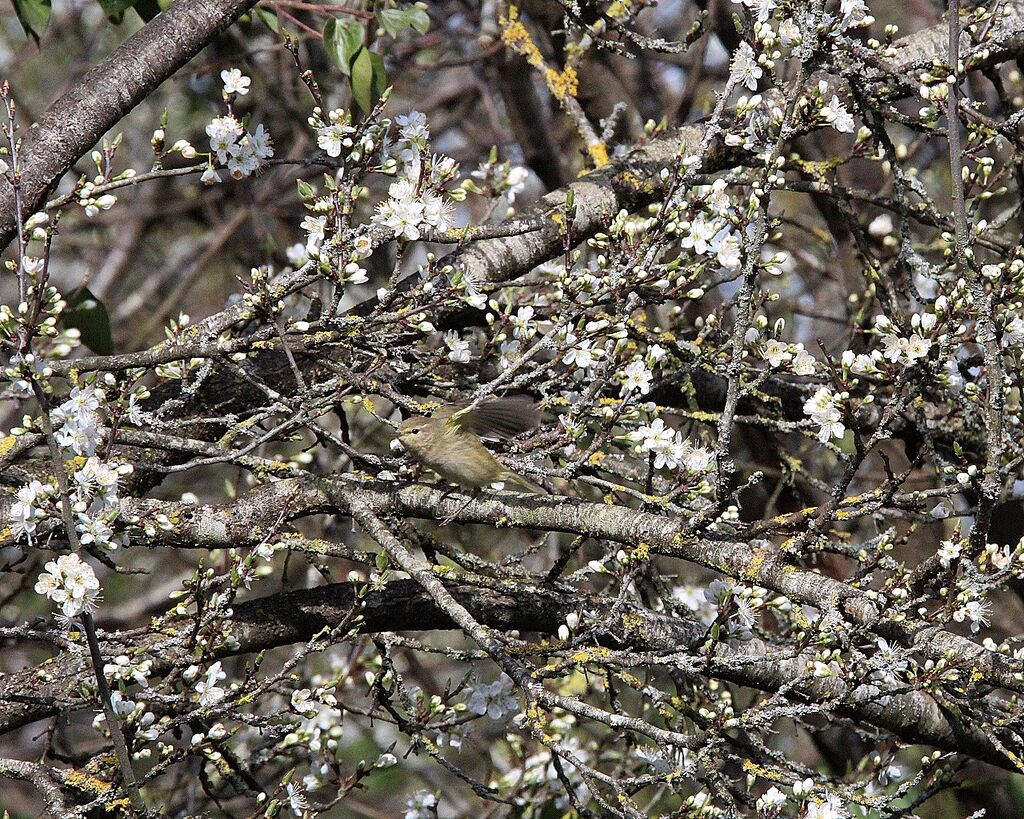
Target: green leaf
34	16
89	316
368	79
343	39
395	21
268	17
420	21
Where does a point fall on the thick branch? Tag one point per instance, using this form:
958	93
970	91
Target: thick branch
253	516
74	123
294	617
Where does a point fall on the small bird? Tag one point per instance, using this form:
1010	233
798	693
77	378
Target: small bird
449	440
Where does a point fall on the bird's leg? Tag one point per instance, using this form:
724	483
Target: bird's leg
459	511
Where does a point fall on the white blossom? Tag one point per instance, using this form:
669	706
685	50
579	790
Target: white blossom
636	377
977	611
208	690
854	14
744	66
495	700
772	798
402	211
420	805
824	411
223	133
458	348
71	584
776	352
516	182
235	82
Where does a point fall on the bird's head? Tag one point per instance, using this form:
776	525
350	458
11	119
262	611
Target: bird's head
414	433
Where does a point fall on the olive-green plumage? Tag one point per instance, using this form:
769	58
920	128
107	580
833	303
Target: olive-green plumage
449	440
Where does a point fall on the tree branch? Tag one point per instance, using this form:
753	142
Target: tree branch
74	123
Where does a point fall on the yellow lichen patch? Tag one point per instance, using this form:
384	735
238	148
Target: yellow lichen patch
516	37
756	770
758	562
597	458
633	623
86	782
563	84
642	551
589	655
630	680
7	444
635	182
598	154
617	10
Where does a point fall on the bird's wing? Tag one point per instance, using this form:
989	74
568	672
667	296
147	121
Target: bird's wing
496	418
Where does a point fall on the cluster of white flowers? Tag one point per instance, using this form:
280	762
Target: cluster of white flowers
828	808
977	612
421	805
740	602
862	363
495	700
823	408
336	133
855	14
96	502
771	802
904	350
123	668
33	504
79	428
757	119
94	204
760	9
458	347
240	151
745	69
671	449
777	353
78	421
406	212
71	584
412	143
122	708
835	113
206	689
502	177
